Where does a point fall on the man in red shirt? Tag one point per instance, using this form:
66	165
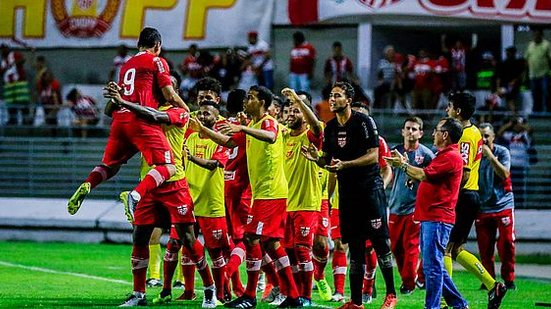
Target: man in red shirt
435	208
145	79
303	57
338	67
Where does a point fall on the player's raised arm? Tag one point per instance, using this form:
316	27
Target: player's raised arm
220	139
309	116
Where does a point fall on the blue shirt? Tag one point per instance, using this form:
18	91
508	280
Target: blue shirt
404	190
496	194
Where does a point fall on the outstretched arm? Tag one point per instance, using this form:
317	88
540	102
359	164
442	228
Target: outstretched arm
309	115
149	113
218	138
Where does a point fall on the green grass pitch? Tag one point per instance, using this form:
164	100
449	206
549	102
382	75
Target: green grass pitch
66	275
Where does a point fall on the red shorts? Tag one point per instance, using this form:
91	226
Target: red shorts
238	209
172	196
130	137
267	218
335	224
322	228
300	228
215	232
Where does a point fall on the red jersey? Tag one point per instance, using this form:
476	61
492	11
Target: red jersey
422	69
384	151
338	68
437	195
192	67
235	172
302	58
142	77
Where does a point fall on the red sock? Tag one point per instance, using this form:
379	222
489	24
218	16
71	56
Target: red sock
269	269
283	268
339	270
188	271
170	263
320	256
218	271
153	179
306	270
254	260
98	175
236	258
294	268
370	267
140	261
237	285
197	254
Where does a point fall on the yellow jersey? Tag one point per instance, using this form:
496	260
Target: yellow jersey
265	162
323	175
174	133
302	174
334	199
470	147
206	187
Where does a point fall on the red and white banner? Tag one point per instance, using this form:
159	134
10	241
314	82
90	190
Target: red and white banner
103	23
301	12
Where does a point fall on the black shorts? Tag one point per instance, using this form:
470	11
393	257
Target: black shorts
468	205
363	214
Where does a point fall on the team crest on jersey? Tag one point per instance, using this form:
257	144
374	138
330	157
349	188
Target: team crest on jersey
183	209
217	234
506	221
249	219
419	160
84	19
325	222
376	223
304	231
341	139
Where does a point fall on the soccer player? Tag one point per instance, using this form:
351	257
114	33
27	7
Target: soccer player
404	230
142	79
205	166
320	250
303	204
350	149
497	205
461	106
434	207
173	195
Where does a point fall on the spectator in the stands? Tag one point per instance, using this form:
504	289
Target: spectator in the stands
388	79
486	75
227	69
421	70
120	59
493	111
192	71
510	77
16	88
262	61
338	67
84	109
457	54
516	135
303	58
538	57
249	74
49	96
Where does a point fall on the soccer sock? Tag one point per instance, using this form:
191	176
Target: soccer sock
283	268
170	263
320	256
339	270
356	278
197	255
188	271
385	262
306	268
294	268
155	261
268	268
448	264
237	285
153	179
370	267
475	267
98	175
236	258
254	260
218	271
140	259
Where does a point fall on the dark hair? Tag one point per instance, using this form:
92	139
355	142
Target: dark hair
299	37
325	92
210	103
278	100
347	87
72	95
465	101
236	97
193	46
453	127
209	83
149	37
415	119
337	44
307	95
40	58
264	94
357	104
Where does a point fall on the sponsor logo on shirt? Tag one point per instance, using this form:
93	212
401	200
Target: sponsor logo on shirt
229	175
465	149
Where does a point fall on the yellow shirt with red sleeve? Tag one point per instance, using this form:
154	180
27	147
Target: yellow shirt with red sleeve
470	147
302	174
265	161
174	132
206	187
